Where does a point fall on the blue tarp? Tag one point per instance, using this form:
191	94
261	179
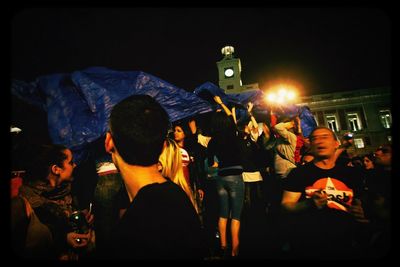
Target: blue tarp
240	101
78	105
208	90
308	122
260	109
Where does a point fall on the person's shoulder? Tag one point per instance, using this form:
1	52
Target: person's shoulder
300	170
306	167
354	171
167	188
153	187
162	195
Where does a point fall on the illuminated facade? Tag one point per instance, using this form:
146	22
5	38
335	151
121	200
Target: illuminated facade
229	73
366	113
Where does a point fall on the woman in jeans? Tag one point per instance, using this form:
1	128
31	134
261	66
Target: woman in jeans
227	147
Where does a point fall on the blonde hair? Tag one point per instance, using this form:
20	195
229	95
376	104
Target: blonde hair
171	161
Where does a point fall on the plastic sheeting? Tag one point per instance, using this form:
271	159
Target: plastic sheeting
78	105
308	122
208	90
261	109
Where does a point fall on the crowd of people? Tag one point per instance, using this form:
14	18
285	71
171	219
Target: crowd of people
234	190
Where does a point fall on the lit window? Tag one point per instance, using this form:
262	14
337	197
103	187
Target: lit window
386	118
332	122
358	142
354	122
389	138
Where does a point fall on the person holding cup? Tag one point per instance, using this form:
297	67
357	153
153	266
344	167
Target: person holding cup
47	188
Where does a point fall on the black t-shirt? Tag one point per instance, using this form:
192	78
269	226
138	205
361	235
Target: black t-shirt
160	223
332	229
228	149
252	157
341	183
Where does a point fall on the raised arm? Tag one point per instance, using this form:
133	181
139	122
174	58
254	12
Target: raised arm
234	114
266	130
345	144
254	128
283	127
249	110
192	126
297	122
218	100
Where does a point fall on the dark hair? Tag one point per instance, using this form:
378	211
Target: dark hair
323	127
357	161
139	127
370	156
184	126
221	124
40	158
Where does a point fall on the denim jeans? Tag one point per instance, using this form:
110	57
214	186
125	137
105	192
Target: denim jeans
231	195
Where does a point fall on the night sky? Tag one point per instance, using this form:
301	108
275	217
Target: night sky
319	50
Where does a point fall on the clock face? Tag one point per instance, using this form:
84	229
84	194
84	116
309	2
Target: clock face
229	72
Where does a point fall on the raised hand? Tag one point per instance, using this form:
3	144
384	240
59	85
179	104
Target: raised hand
250	107
218	100
320	199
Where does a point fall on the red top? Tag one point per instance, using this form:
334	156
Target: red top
299	145
16	183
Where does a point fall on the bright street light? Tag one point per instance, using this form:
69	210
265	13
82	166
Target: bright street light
282	96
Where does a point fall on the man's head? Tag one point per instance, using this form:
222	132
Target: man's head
138	128
292	119
323	142
383	155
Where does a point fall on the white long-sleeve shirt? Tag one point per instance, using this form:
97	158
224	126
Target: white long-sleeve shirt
286	145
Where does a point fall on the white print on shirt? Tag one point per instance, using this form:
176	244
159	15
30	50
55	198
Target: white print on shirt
185	157
339	194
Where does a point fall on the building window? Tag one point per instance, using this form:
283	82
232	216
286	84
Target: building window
229	87
354	122
332	122
386	118
358	142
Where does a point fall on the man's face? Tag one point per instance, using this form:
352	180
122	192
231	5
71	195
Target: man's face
383	156
323	143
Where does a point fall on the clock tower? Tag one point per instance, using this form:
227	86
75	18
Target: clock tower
229	70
